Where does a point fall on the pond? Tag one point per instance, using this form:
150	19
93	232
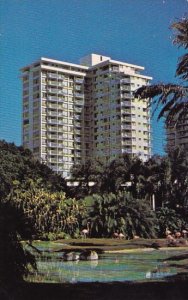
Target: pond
136	265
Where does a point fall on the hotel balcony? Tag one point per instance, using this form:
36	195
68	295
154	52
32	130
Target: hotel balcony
77	117
54	136
53	106
126	96
52	160
52	152
52	129
126	127
61	160
126	119
79	102
101	72
79	81
52	98
77	140
125	88
127	140
77	147
127	151
126	111
51	75
125	80
78	95
56	145
126	104
56	122
56	169
78	109
55	91
54	83
53	114
123	134
77	125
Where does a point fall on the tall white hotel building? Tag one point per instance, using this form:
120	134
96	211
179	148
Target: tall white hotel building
74	112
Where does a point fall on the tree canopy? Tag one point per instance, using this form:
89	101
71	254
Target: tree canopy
17	163
19	168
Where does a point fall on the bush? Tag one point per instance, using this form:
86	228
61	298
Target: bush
50	213
121	213
169	218
15	260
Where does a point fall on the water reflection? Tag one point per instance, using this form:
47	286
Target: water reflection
110	267
94	264
75	270
159	271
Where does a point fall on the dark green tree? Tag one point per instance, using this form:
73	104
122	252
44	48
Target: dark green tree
88	176
15	260
122	174
17	163
169	218
178	180
121	213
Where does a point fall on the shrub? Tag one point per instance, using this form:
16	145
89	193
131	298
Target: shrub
121	213
15	260
50	213
169	218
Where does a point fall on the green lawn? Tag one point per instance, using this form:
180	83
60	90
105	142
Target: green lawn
104	244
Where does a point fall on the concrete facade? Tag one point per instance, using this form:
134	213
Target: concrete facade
73	112
177	134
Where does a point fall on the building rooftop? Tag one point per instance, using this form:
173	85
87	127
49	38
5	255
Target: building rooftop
87	62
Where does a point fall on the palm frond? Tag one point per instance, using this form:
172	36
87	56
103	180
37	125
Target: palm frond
172	97
182	68
178	114
181	32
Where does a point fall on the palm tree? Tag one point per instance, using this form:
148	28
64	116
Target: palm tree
169	218
172	97
135	216
123	214
154	180
90	171
166	177
103	215
117	172
178	163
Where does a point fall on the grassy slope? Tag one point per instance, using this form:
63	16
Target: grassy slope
109	244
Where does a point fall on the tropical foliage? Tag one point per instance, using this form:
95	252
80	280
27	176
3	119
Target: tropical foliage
169	218
85	174
15	261
121	214
22	180
172	97
164	177
17	163
49	212
36	202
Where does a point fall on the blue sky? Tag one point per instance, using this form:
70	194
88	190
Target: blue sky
135	31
